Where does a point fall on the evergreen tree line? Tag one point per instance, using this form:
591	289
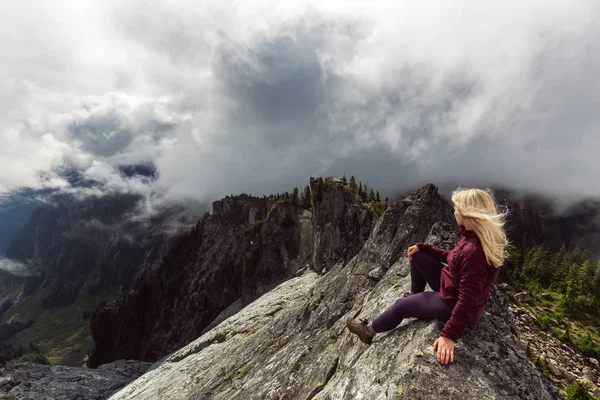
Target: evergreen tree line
570	272
307	197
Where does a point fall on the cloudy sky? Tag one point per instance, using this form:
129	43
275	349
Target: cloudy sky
257	96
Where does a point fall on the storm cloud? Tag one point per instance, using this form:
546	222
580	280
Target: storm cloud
230	97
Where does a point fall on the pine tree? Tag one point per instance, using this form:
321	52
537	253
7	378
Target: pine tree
573	287
559	277
371	196
386	201
557	258
513	262
586	278
295	199
344	180
352	185
318	192
596	284
531	263
543	266
306	203
377	197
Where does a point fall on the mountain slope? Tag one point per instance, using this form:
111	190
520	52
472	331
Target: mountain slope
231	257
292	342
80	252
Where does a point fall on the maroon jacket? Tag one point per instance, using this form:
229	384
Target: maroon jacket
466	281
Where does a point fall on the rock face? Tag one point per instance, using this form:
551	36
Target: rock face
43	382
246	247
292	342
340	225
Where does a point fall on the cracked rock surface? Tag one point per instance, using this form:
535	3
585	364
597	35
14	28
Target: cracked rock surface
29	381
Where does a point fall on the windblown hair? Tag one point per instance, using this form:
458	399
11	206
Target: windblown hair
480	213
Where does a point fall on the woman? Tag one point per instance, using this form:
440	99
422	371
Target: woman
460	289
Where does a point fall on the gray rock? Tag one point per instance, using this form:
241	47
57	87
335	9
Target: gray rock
547	296
523	297
569	376
507	288
293	343
29	381
554	368
340	225
594	363
589	374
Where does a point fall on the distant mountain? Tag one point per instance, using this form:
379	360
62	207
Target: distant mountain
537	219
14	213
80	252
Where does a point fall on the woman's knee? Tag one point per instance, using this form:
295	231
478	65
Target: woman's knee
420	258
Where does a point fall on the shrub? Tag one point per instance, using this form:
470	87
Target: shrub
577	391
544	321
587	346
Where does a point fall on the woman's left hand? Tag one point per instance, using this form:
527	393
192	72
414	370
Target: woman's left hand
445	350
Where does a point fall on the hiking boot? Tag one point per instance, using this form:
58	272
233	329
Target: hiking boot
359	327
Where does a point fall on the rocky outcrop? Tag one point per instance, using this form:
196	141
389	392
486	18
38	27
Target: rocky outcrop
523	297
246	247
340	223
292	342
561	363
43	382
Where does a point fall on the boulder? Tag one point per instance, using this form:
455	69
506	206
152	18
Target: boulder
589	374
507	288
547	296
523	297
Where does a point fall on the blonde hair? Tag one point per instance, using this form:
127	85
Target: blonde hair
478	210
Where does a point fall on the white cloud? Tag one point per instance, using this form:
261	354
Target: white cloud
225	97
13	267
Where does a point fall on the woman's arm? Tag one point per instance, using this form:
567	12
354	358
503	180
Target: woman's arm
474	270
439	254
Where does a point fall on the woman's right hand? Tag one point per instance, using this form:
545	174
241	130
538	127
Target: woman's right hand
411	251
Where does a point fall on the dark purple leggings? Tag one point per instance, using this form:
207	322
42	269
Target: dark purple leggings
423	269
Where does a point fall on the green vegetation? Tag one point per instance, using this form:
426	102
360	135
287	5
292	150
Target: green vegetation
366	196
257	224
265	345
296	365
570	283
542	365
306	198
15	354
54	331
245	369
578	391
